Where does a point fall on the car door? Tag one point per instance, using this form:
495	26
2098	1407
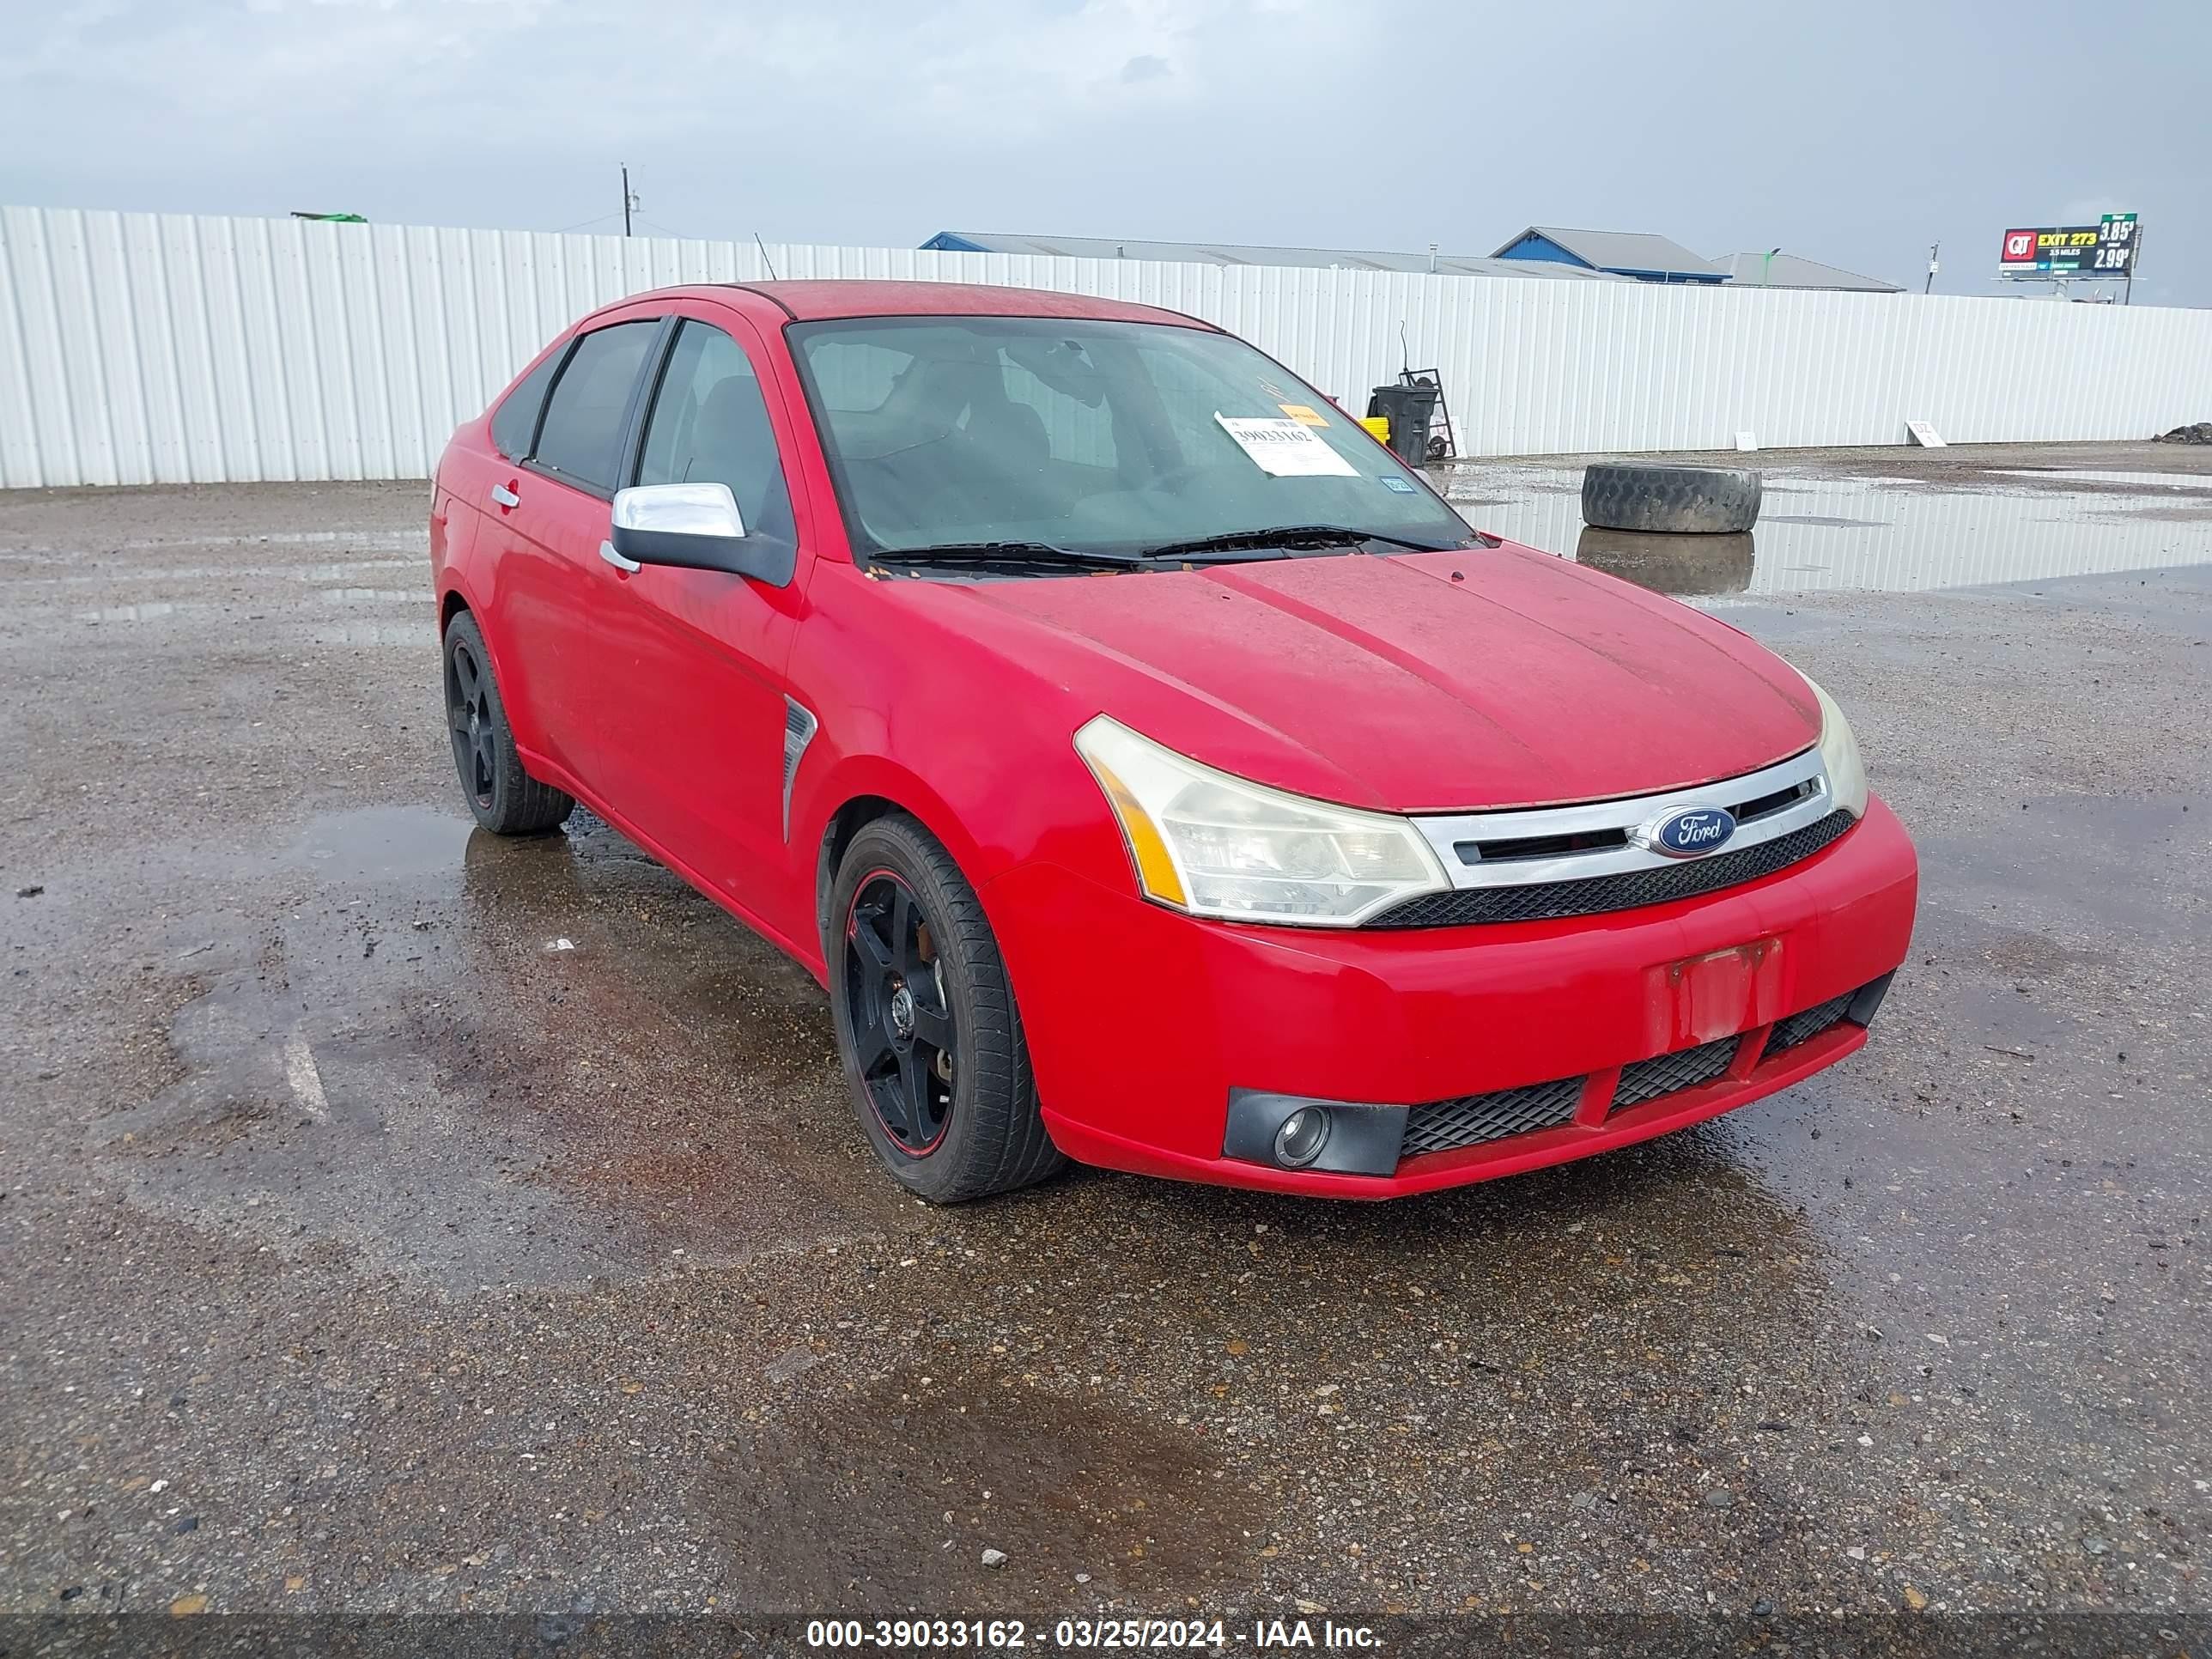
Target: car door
553	512
694	717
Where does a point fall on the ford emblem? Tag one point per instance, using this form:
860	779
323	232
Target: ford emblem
1690	832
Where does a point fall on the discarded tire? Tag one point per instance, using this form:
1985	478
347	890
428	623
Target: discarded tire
1678	501
1670	564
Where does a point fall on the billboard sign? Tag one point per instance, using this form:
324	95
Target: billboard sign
2106	248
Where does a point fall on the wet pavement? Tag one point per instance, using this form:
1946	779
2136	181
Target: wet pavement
1881	520
398	1218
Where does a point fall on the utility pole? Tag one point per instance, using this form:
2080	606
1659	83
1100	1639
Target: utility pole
1933	265
629	200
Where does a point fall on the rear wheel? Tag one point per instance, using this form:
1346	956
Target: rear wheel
926	1023
505	799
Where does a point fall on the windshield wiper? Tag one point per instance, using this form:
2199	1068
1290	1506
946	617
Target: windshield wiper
1289	535
1035	554
1005	553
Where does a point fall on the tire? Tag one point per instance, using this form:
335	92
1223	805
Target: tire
953	1119
505	799
1695	500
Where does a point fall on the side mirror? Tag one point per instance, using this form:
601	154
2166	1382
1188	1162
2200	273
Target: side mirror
694	526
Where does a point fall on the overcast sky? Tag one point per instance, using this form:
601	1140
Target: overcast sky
1855	133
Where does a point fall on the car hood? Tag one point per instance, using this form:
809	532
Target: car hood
1453	681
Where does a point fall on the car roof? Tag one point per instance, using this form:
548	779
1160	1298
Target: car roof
810	300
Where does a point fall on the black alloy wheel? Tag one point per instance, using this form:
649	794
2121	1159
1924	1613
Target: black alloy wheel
927	1026
905	1038
469	713
503	796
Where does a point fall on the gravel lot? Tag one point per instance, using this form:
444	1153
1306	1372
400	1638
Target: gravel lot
365	1249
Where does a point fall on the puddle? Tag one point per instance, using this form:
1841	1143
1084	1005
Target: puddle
375	634
383	843
393	540
374	595
2155	481
112	574
164	610
400	1062
882	1498
1858	534
256	607
1832	523
1672	564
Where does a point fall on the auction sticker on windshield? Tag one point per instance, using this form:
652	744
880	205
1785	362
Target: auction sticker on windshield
1285	448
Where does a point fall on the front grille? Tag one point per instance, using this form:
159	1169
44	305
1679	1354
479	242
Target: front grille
1593	895
1647	1080
1798	1027
1494	852
1470	1119
1767	805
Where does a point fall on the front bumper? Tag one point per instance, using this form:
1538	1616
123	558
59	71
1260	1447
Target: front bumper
1141	1021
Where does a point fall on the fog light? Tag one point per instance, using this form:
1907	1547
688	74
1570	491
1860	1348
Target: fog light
1297	1131
1302	1137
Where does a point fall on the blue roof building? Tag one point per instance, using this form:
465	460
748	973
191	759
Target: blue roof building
1621	252
1231	253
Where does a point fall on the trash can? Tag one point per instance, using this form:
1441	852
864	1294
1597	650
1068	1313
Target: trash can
1408	408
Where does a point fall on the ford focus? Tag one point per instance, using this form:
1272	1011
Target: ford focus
1153	770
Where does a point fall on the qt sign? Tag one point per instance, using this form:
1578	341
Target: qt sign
2106	248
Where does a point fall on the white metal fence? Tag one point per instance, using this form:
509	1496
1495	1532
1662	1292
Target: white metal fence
142	348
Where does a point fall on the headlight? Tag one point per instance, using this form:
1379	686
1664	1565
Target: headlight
1217	846
1839	753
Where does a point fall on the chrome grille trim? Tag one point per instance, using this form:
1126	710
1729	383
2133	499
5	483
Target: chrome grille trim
1555	901
1450	834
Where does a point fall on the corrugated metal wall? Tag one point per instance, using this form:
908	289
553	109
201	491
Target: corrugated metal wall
141	348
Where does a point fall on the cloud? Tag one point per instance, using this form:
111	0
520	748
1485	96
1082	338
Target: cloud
875	122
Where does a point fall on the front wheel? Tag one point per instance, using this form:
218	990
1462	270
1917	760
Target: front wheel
926	1023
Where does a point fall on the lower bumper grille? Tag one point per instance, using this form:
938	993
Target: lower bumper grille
1444	1126
1470	1119
1647	1080
1801	1028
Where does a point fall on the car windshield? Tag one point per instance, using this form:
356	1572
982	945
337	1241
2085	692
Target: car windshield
1068	436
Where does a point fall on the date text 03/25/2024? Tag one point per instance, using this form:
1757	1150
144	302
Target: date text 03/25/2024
1001	1635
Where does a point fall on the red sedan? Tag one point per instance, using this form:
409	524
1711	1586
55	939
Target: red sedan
1154	772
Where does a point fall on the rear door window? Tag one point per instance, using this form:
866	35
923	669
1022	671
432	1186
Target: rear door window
516	422
581	438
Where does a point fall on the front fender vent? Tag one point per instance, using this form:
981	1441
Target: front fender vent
799	726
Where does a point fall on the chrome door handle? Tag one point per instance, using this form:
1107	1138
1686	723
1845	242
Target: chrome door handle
607	552
504	496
